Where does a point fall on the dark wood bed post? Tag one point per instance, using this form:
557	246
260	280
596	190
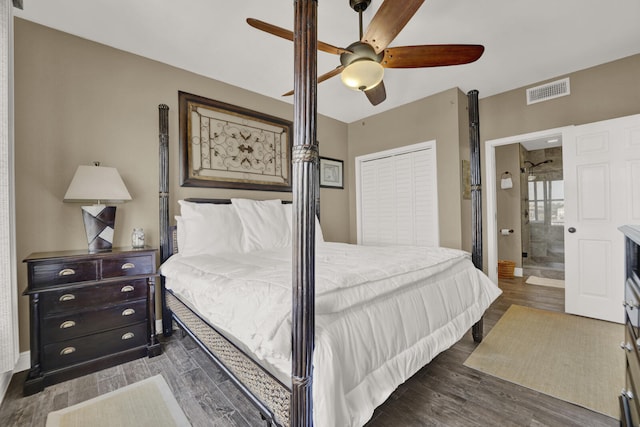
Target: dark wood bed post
163	194
476	195
304	161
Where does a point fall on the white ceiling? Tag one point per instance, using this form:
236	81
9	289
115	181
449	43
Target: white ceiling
525	41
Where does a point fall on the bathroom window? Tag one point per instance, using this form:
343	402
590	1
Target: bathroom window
556	202
546	201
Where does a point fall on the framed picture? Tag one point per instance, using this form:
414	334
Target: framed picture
331	173
226	146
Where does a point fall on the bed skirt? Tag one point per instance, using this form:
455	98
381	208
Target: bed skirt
261	387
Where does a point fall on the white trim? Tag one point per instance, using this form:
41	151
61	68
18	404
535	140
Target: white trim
397	151
23	363
9	335
490	188
5	379
359	160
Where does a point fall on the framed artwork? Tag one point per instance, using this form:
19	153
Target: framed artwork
226	146
331	173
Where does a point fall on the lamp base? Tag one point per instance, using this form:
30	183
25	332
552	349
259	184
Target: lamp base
99	221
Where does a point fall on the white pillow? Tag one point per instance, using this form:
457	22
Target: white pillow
191	209
264	223
180	233
209	228
289	214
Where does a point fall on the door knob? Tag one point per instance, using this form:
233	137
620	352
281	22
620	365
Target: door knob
571	230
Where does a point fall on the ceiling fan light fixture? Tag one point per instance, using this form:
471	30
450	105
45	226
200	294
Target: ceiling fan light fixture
363	74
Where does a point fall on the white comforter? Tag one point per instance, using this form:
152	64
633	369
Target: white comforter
381	314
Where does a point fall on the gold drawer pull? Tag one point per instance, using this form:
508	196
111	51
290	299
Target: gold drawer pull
67	297
67	324
127	288
67	350
66	272
128	312
127	336
128	266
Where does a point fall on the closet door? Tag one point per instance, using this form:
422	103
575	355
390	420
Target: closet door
397	197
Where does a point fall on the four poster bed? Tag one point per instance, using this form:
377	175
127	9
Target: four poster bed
381	313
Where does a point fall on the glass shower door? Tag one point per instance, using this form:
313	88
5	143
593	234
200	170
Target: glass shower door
546	226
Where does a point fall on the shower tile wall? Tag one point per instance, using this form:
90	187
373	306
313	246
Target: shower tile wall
542	241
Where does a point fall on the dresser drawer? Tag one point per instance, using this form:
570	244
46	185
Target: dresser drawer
625	411
66	353
77	324
631	350
633	373
632	305
128	266
57	273
82	298
632	400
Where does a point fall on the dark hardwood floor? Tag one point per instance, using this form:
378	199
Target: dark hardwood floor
444	393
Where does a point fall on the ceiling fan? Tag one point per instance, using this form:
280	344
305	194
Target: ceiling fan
363	62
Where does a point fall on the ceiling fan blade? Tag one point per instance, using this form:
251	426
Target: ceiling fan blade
286	34
376	94
435	55
325	76
388	21
328	75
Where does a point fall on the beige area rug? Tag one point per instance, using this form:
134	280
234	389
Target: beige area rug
572	358
145	403
543	281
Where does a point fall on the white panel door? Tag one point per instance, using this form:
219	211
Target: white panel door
601	173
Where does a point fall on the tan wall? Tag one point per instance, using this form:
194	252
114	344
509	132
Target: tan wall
603	92
508	203
79	101
434	118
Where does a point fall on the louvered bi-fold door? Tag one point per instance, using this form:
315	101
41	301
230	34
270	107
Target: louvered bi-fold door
398	200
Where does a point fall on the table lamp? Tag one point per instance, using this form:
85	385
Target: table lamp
98	184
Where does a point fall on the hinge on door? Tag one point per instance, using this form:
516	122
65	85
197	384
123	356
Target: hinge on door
18	4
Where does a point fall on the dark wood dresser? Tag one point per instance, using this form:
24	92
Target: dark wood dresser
630	397
89	311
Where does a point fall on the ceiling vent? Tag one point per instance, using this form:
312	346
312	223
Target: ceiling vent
548	91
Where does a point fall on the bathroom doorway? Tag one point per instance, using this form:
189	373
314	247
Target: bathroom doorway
542	208
529	196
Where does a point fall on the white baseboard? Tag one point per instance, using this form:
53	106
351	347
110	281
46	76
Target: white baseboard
5	378
518	272
24	362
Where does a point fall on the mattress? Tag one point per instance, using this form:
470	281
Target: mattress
381	314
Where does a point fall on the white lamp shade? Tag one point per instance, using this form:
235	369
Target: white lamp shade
96	183
362	75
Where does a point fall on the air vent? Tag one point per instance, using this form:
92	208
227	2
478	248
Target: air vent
548	91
